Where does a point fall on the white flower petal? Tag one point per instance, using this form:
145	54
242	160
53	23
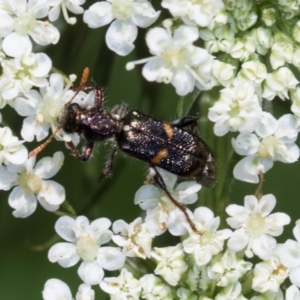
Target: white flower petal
183	81
237	241
23	203
51	195
144	15
6	25
65	254
177	224
295	276
152	69
28	105
110	258
39	8
99	230
16	45
73	6
147	196
44	33
292	293
47	167
264	246
120	37
267	126
18	157
64	227
99	14
248	168
185	35
289	254
43	65
246	144
90	272
157	40
54	13
203	215
7	179
56	289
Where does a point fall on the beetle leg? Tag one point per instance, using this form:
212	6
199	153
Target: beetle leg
186	121
99	96
107	171
86	150
159	180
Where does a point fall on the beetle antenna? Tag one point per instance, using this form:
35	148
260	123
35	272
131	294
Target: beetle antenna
41	147
83	81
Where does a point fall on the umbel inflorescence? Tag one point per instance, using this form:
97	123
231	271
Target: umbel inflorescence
246	51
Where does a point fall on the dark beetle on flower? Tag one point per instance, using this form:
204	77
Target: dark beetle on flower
170	146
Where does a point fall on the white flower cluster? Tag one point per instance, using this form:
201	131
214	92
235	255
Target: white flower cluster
213	265
240	108
23	25
204	44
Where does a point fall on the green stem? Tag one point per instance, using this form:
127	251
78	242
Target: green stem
217	198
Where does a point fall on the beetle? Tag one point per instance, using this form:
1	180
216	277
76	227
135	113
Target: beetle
171	146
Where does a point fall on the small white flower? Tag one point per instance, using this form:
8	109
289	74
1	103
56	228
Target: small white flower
84	241
210	242
22	73
232	292
263	39
281	53
242	49
71	5
125	286
19	20
269	16
219	39
193	12
295	107
85	292
249	168
255	226
296	32
128	14
154	289
11	148
174	58
253	71
249	20
7	179
270	296
185	294
43	110
162	214
224	73
292	293
197	278
279	83
33	185
55	289
289	254
238	109
170	263
134	238
275	141
206	70
229	269
269	275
